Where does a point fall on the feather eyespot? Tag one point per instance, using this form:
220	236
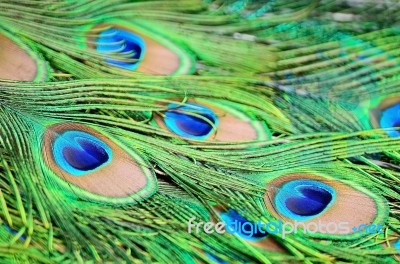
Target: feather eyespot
78	152
96	165
304	199
242	227
211	121
387	115
191	120
133	47
319	199
390	117
128	45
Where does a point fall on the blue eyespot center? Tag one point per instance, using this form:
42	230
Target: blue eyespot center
304	199
313	202
79	153
390	117
119	42
191	120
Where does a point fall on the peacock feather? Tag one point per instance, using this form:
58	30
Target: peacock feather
199	131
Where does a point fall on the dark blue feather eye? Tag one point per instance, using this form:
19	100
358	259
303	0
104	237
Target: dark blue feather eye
78	152
241	226
87	156
312	202
124	43
304	199
390	117
181	121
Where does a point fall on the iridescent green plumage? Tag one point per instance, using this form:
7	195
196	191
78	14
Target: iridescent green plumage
278	111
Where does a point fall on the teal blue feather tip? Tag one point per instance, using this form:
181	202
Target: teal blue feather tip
127	44
215	258
242	227
396	245
13	232
304	199
390	117
79	153
185	120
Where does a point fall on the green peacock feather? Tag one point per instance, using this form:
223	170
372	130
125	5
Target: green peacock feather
129	128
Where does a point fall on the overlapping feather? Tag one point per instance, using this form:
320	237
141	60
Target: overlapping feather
311	101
